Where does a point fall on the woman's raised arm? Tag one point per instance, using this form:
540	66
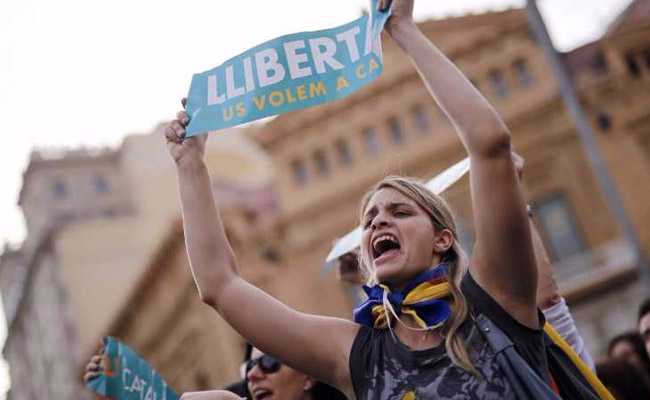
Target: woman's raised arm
318	346
503	262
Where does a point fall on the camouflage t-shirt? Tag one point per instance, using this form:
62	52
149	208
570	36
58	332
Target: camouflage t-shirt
383	368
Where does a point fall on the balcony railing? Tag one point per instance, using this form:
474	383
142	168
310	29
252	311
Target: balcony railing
595	267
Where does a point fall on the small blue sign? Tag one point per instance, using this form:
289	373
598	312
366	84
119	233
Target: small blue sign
126	376
288	73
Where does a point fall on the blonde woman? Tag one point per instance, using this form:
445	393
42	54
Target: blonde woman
429	329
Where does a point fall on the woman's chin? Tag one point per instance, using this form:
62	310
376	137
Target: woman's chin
388	273
396	274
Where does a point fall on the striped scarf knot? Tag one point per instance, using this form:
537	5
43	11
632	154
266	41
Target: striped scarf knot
423	298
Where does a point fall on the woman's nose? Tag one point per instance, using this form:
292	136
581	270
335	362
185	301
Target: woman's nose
380	221
255	374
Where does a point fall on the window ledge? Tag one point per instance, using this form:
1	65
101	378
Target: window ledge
598	270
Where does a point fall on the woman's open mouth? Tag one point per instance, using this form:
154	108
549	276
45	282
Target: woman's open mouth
262	394
385	247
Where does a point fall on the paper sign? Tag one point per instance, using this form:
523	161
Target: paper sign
126	376
289	73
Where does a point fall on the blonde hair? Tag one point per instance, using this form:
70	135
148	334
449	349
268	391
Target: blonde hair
442	218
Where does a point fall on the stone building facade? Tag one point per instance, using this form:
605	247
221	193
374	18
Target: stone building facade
61	188
41	341
95	218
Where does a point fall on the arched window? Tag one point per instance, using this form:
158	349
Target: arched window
344	153
396	131
371	141
422	119
558	227
522	72
322	163
100	184
498	82
299	171
632	65
59	189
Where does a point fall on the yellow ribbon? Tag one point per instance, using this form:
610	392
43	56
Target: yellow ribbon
423	292
587	373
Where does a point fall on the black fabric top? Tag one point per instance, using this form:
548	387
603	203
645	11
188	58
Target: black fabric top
383	368
534	346
530	343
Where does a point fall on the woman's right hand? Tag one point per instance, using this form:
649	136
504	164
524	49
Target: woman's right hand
94	366
184	151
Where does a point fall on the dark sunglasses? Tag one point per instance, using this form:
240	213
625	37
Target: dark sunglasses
266	363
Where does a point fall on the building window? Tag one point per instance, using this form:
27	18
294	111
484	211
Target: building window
646	58
599	65
498	82
271	254
371	141
396	131
524	77
322	164
632	65
300	174
559	228
604	121
344	152
422	119
100	184
59	189
201	381
109	213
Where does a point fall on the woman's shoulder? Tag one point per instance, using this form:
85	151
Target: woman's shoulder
368	338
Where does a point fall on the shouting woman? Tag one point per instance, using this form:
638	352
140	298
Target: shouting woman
435	325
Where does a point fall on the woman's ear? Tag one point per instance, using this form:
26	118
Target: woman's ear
443	241
309	384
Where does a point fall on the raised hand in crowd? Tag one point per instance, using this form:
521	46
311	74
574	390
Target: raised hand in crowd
94	366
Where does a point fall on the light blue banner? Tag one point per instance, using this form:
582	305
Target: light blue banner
126	376
287	74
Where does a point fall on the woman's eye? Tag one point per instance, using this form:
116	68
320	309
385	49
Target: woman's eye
401	214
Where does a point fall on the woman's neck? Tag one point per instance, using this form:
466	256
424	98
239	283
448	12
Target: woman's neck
415	338
400	285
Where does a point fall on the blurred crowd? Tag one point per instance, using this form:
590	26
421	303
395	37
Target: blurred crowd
626	369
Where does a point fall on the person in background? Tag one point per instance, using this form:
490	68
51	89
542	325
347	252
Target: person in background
624	380
267	378
644	324
629	346
240	388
